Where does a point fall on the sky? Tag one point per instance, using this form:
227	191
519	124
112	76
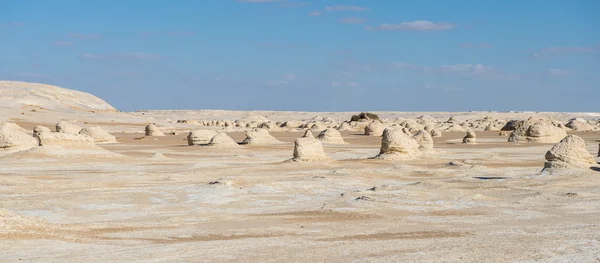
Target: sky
319	55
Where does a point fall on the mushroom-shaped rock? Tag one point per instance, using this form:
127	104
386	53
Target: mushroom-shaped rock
318	126
331	136
199	137
424	140
514	137
309	149
259	136
345	127
455	127
570	152
152	130
578	124
545	133
40	128
222	140
12	138
67	127
436	133
364	116
374	129
470	138
396	145
98	134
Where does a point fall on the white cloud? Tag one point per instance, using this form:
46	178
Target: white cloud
467	68
129	55
336	83
12	24
91	56
556	51
345	8
352	20
474	70
83	36
418	25
138	55
559	72
258	1
314	13
283	80
62	43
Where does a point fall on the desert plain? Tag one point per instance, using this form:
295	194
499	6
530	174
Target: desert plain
158	199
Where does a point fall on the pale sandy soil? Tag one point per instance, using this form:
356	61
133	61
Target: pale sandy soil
200	204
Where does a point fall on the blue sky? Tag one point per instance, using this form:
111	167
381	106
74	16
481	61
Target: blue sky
321	55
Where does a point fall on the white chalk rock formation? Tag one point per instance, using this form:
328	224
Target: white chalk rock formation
259	137
470	138
424	140
98	134
12	138
396	145
222	140
455	128
40	128
200	137
570	152
309	149
67	127
331	136
345	127
57	144
152	130
255	118
16	94
436	133
514	137
374	129
545	133
579	125
65	140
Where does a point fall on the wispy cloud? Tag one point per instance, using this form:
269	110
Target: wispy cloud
171	33
555	51
559	72
83	36
181	33
466	68
91	56
314	13
294	4
138	55
352	20
259	1
469	70
345	8
475	46
281	46
62	43
429	86
285	79
12	24
418	25
128	55
336	83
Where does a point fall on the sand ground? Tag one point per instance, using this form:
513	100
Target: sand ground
199	204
